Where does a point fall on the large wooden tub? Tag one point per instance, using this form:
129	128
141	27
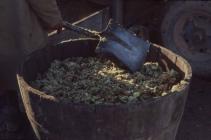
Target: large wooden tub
51	119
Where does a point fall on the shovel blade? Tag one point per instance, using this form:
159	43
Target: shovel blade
127	48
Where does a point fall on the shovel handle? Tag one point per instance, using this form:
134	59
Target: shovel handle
81	30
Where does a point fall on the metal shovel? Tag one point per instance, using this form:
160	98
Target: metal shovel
117	42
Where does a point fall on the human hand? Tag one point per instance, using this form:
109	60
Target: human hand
58	27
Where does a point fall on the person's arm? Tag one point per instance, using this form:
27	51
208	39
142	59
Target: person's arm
48	12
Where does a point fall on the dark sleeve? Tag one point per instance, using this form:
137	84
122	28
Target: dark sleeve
47	11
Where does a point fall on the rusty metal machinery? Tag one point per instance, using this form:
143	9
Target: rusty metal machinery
116	8
186	29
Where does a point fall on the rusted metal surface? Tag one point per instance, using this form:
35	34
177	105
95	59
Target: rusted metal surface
154	119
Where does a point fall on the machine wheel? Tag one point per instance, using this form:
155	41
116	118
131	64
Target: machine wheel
186	29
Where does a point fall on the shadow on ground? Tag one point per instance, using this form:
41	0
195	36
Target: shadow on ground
196	121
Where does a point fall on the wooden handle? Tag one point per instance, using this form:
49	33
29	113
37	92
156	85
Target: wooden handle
81	30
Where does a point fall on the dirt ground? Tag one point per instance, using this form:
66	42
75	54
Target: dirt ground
196	121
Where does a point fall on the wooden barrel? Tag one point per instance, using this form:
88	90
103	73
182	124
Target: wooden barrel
51	119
